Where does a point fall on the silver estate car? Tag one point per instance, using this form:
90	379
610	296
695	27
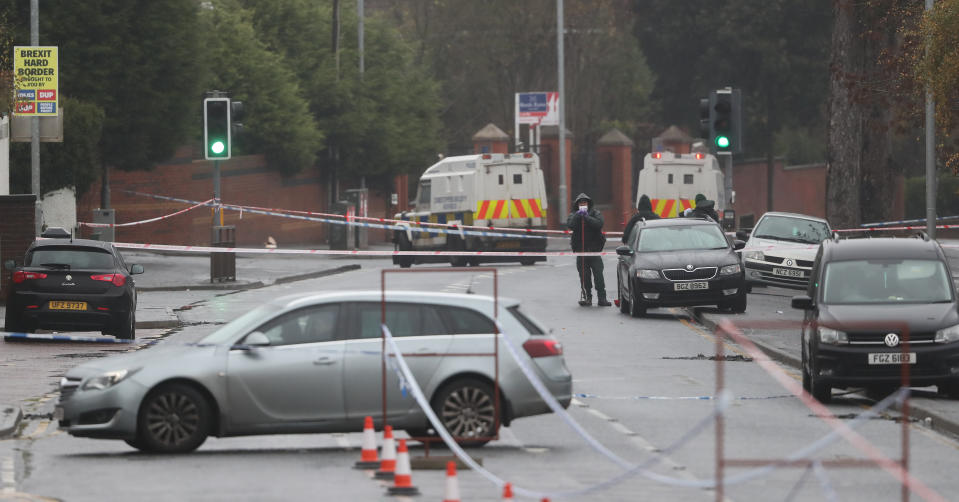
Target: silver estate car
310	363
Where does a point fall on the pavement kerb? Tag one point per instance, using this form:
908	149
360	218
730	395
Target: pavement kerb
10	416
919	412
233	286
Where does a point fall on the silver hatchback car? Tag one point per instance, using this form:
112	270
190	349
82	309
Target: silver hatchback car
311	363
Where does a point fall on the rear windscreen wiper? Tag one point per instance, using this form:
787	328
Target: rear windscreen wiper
61	266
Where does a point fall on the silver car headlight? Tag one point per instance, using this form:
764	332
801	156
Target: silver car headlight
730	269
645	273
832	336
108	379
754	255
948	335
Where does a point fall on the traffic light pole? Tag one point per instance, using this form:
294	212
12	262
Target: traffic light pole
216	193
728	176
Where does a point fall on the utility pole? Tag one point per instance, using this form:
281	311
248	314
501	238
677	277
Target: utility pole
359	9
931	180
562	109
35	123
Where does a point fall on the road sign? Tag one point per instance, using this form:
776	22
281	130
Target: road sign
35	81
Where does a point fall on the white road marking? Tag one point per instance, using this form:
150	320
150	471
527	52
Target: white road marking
8	476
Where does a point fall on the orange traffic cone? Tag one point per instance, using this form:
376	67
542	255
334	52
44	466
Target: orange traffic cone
507	492
368	454
452	485
388	460
403	478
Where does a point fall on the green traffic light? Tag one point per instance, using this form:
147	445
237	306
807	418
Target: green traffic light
217	147
722	141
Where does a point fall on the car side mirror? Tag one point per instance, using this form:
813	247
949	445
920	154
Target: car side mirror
252	341
742	235
9	264
738	244
802	302
136	268
624	251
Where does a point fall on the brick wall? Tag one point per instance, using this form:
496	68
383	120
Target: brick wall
244	180
17	231
797	189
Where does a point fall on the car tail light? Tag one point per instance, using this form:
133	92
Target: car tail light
543	347
700	156
657	155
20	276
116	279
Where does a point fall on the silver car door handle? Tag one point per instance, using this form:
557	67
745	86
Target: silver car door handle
324	361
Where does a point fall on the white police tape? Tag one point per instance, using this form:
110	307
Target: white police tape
448	228
630	469
141	222
347	252
63	338
903	222
676	398
401	225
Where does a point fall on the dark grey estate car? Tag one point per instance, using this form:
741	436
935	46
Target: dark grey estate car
679	262
865	297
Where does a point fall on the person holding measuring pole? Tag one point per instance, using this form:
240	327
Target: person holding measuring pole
586	225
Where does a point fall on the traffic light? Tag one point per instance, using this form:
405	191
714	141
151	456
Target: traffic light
726	120
216	128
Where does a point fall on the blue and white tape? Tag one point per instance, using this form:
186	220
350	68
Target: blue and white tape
64	338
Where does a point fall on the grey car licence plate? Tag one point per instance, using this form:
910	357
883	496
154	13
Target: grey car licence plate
687	286
786	272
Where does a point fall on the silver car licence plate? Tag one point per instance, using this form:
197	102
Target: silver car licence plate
891	357
687	286
786	272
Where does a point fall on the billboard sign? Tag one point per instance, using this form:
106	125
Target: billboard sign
537	108
35	81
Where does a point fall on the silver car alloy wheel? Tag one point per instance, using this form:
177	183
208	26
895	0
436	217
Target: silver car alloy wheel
172	418
469	411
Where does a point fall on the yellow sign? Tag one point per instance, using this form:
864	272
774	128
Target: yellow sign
35	82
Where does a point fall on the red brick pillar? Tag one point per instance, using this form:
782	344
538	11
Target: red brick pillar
549	160
620	148
490	139
17	231
402	184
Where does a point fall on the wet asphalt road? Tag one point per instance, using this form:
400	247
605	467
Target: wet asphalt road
643	383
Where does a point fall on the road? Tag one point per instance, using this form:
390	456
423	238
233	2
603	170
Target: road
642	384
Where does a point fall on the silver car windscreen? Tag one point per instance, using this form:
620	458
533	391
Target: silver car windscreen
785	228
886	281
241	325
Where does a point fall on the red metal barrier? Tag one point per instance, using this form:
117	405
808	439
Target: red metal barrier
898	469
495	354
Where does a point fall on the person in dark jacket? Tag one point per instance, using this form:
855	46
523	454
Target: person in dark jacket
705	207
586	224
644	210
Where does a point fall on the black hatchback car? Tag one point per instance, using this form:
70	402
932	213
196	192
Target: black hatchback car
72	284
679	262
865	297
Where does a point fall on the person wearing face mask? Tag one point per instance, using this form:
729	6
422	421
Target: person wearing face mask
586	224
